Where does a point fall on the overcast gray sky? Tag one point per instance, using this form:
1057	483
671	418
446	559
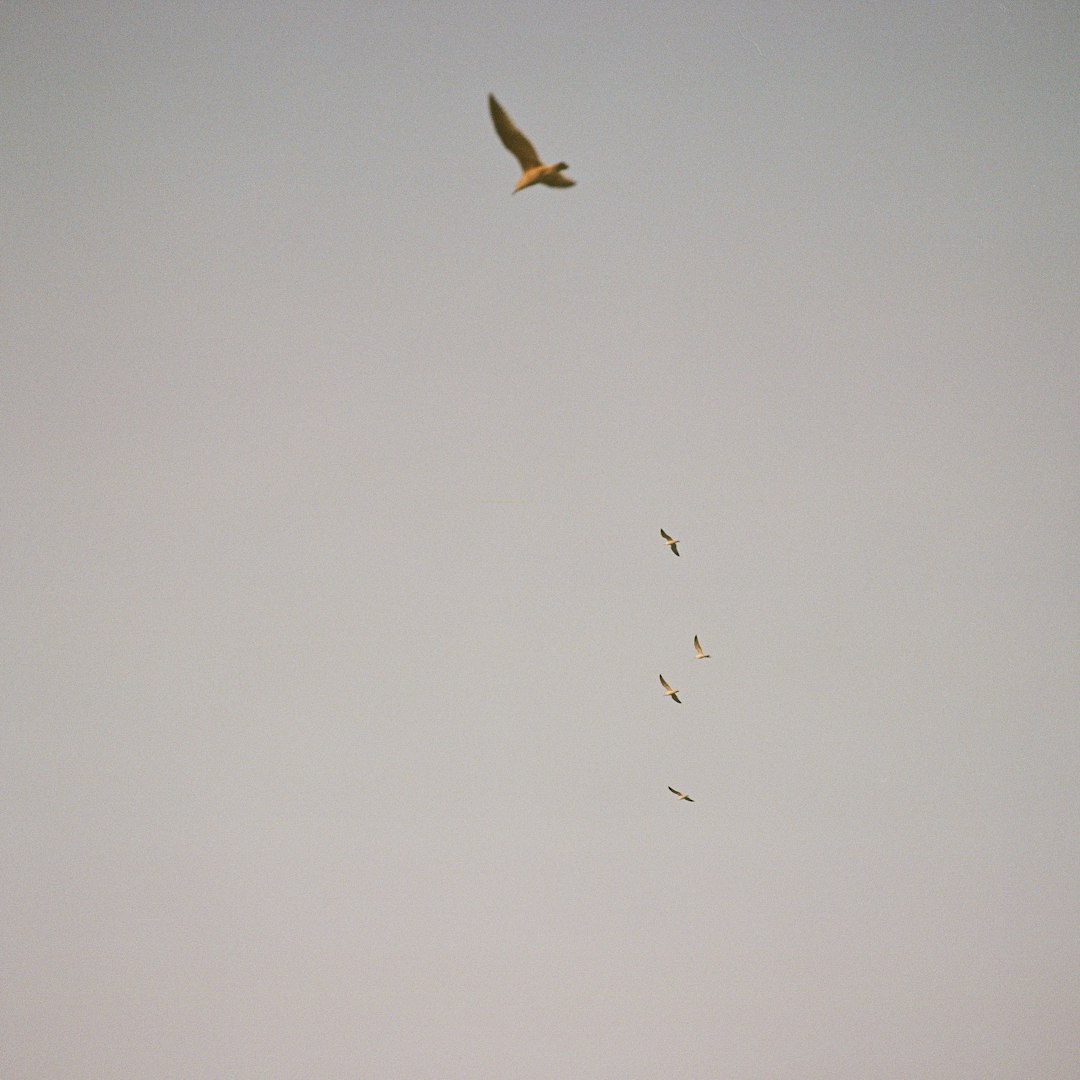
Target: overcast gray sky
333	475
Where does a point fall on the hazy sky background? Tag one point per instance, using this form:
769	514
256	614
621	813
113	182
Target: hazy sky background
333	743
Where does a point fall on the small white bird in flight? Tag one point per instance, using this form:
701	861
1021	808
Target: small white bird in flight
670	542
533	170
699	653
673	694
685	798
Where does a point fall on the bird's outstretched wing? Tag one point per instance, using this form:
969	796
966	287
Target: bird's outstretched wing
665	536
663	683
513	139
673	791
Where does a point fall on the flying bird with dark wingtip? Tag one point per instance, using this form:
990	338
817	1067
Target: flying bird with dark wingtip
699	653
673	694
670	542
533	170
684	798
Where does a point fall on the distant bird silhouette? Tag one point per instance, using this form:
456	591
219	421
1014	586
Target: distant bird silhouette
670	542
699	654
673	694
533	170
685	798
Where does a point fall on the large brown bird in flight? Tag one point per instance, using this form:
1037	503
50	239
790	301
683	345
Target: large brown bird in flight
533	170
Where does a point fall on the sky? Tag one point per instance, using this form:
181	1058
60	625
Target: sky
335	601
